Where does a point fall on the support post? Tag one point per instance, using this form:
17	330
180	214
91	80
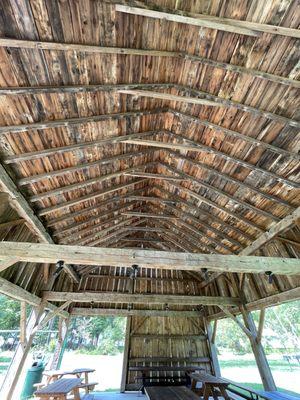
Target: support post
62	338
23	323
258	351
126	355
211	336
15	369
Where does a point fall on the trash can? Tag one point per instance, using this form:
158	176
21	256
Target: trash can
34	375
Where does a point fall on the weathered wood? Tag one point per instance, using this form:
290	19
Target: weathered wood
7	262
209	21
94	195
198	147
148	215
274	231
153	176
126	354
53	314
211	334
77	311
51	253
105	297
23	318
261	324
62	337
10	224
237	321
170	393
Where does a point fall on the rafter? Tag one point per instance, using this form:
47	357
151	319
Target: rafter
84	183
88	197
274	231
207	21
78	167
154	176
33	155
198	147
6	42
149	215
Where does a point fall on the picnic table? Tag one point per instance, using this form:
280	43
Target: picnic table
60	388
212	385
54	375
170	393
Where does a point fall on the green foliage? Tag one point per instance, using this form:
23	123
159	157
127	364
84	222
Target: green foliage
9	313
97	335
281	331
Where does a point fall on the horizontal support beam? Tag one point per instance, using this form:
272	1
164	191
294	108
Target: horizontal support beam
209	21
92	312
10	224
149	215
6	42
115	297
51	253
154	176
7	262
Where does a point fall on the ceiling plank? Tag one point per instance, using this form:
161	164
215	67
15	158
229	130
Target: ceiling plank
51	253
77	311
149	215
154	176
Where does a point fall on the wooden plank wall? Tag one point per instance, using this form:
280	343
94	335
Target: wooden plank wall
179	341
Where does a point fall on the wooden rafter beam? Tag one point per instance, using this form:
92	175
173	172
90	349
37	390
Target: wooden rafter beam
149	215
7	262
88	197
114	297
148	175
79	185
208	21
274	231
10	224
20	294
6	42
84	255
33	155
191	145
78	167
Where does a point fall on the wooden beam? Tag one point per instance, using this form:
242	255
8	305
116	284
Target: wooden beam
63	326
6	42
211	333
88	197
20	294
289	241
207	99
10	224
269	301
149	215
237	321
75	121
53	314
33	155
154	176
140	240
274	231
7	262
23	320
78	167
83	255
124	312
169	97
85	183
126	354
200	182
198	147
209	21
114	297
261	324
229	132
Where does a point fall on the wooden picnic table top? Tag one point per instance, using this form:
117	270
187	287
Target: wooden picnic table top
83	370
53	373
60	387
170	393
166	368
208	378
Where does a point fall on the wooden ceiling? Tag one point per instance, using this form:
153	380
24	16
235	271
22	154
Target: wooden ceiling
127	127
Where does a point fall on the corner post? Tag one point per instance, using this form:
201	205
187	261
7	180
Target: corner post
211	336
126	355
63	326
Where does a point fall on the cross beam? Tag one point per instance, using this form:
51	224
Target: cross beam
51	253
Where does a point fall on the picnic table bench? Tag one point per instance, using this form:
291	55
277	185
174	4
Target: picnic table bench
60	388
167	379
211	385
170	393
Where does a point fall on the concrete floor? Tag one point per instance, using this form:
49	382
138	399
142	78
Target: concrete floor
115	396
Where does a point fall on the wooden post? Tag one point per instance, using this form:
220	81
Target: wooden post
15	369
258	351
211	335
23	323
62	337
126	355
